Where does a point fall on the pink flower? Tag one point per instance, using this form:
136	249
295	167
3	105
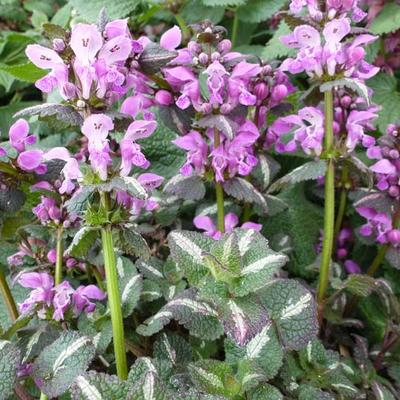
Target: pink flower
83	295
86	41
206	224
31	161
62	299
171	39
19	135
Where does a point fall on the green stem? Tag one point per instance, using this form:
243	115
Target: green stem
342	200
113	294
8	297
219	191
329	209
59	257
235	28
182	24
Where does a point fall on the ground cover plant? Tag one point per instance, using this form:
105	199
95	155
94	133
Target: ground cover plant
199	200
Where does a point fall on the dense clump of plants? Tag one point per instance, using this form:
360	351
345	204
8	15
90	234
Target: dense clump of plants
188	214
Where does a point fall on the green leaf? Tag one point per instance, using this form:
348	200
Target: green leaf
9	363
24	72
381	392
61	362
360	285
83	241
309	171
292	308
388	20
60	112
90	9
243	190
174	349
302	222
275	48
259	263
130	285
223	3
77	203
131	242
187	249
195	11
355	85
97	386
256	11
266	392
62	16
386	95
214	377
154	57
263	352
195	315
164	156
186	187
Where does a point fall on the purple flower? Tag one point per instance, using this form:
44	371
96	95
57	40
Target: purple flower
62	299
31	161
118	27
206	224
356	123
86	41
47	210
52	256
197	148
352	267
82	296
19	135
378	224
171	39
42	285
131	152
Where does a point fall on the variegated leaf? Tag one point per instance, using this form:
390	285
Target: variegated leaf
186	187
9	362
62	361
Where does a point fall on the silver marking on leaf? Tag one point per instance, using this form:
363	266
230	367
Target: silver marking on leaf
73	348
295	309
89	391
255	346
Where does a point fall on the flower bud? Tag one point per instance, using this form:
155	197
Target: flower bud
279	92
261	91
194	47
226	108
58	45
164	98
52	256
203	58
70	263
346	101
225	46
394	191
394	237
80	104
394	154
137	47
352	267
215	56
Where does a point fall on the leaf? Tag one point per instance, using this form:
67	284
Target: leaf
360	285
77	203
292	308
9	363
24	72
195	11
186	187
224	124
61	362
130	285
256	11
131	242
195	315
381	392
98	386
262	353
212	376
355	85
90	9
388	20
243	190
187	249
243	318
265	170
266	392
154	57
126	183
164	156
393	257
59	111
223	3
174	349
11	200
82	241
309	171
385	94
260	264
275	48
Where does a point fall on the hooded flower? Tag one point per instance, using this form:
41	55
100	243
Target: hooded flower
82	298
19	135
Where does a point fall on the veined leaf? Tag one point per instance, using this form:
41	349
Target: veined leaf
9	362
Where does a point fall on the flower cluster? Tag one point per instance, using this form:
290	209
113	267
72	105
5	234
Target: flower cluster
380	226
329	55
207	225
55	301
387	168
